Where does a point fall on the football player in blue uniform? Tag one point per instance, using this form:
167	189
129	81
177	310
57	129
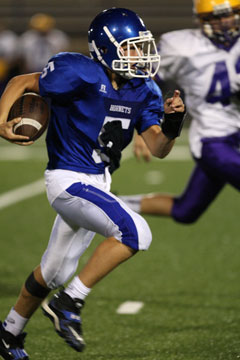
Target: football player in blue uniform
95	106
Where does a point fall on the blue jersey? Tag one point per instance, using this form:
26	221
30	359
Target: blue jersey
82	101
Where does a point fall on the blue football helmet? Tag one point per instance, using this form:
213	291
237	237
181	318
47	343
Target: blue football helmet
119	39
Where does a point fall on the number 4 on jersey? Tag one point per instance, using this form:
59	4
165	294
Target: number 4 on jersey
220	90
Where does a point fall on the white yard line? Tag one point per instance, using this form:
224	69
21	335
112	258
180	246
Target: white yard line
179	152
24	192
8	153
18	153
130	307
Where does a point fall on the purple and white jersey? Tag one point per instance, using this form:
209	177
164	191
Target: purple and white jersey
210	78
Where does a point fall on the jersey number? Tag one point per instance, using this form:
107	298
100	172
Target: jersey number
96	155
220	90
50	67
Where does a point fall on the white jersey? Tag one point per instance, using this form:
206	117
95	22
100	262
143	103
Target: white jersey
8	45
37	49
209	77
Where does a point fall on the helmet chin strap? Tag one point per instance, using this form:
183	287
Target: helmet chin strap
93	47
125	75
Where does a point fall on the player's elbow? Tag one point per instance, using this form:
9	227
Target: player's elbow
158	144
162	151
26	82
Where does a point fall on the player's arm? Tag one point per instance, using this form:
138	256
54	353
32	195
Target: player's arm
160	140
14	89
140	149
158	144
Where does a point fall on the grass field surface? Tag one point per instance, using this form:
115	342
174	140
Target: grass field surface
188	281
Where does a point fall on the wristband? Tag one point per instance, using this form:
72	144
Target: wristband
172	124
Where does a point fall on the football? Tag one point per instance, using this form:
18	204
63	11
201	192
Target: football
35	113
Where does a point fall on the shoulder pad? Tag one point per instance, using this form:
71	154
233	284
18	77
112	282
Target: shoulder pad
85	68
180	42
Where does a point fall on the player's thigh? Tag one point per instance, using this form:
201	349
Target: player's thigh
222	159
200	191
86	206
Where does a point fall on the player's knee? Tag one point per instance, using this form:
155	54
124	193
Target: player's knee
132	230
185	215
186	219
145	236
34	288
143	233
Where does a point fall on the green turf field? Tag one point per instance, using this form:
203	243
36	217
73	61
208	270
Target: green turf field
188	280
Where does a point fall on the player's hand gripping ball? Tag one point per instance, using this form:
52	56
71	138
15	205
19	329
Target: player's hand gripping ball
35	113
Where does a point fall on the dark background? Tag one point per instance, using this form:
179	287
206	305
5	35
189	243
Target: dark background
74	16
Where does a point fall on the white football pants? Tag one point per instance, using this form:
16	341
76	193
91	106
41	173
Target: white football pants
85	206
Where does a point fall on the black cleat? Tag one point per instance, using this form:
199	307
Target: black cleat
64	312
11	347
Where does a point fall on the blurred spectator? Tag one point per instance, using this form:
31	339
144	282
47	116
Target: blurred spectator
38	44
8	56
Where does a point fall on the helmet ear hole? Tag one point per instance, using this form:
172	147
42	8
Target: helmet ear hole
103	50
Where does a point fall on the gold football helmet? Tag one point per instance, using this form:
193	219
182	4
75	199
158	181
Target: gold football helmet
219	19
206	6
42	22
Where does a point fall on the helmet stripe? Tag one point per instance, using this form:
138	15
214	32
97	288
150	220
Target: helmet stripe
111	37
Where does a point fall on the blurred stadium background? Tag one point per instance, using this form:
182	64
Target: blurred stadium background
74	16
189	279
